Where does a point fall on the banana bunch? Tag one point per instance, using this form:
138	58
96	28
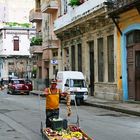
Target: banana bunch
77	134
71	135
66	136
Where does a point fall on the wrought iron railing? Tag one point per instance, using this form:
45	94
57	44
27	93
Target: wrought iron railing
115	4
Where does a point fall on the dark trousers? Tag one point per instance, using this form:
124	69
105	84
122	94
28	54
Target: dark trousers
51	114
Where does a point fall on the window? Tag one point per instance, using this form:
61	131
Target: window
79	57
10	63
77	83
110	49
137	36
137	59
133	37
16	43
65	6
55	54
130	38
67	82
73	57
100	60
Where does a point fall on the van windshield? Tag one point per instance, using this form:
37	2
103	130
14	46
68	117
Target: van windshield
77	83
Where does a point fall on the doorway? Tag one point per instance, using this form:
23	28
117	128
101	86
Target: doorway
91	62
133	64
131	73
137	75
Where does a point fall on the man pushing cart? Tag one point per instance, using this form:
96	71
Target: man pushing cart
57	128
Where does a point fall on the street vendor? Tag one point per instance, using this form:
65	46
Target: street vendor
52	102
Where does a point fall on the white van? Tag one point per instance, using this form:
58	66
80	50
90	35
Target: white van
76	83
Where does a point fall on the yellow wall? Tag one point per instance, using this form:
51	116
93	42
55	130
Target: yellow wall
128	18
119	73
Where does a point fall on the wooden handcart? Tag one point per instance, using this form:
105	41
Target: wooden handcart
49	134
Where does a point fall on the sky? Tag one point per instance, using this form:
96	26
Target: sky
15	10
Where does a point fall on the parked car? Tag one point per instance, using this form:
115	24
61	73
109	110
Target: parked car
18	86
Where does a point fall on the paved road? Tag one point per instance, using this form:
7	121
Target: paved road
20	118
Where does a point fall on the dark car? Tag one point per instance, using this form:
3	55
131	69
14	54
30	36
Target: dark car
18	86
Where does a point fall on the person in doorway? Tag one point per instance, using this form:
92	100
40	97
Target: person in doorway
52	102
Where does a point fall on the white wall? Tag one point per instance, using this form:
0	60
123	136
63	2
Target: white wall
7	54
74	13
24	42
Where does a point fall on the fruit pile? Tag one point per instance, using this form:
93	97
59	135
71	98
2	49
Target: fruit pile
72	133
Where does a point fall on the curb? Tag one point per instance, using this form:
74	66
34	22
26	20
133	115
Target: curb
117	109
35	93
108	107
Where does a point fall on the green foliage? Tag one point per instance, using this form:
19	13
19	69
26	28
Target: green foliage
36	41
15	24
74	2
34	72
27	25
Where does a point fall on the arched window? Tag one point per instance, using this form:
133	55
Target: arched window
16	43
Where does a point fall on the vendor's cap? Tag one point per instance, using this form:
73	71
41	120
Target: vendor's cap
53	82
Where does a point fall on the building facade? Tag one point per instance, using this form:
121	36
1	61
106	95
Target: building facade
51	44
99	38
14	52
48	53
36	49
126	16
88	44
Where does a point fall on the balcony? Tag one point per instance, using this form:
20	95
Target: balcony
36	49
118	6
50	42
121	3
78	12
49	6
35	15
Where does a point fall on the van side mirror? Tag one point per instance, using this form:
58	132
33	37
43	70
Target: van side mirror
66	85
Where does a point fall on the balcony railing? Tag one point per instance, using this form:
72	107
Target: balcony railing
120	3
36	49
51	37
49	6
35	15
49	44
78	12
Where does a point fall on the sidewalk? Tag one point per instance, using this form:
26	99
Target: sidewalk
129	107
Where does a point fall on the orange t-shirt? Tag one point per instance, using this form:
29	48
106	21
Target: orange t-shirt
52	100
